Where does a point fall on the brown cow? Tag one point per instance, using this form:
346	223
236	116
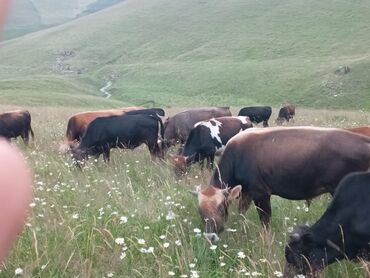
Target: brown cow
364	130
78	123
208	138
296	163
16	123
286	113
178	127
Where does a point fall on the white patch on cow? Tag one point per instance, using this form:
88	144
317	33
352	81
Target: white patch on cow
214	129
244	120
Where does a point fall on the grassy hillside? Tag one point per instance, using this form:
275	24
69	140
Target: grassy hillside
203	53
76	216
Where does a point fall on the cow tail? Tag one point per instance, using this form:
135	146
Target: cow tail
32	134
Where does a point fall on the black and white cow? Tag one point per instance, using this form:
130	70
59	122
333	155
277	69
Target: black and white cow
342	232
257	114
127	131
208	138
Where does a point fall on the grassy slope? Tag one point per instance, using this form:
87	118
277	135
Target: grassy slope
208	52
72	228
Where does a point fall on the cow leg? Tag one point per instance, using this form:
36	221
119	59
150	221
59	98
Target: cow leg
263	206
106	155
265	124
25	138
244	202
210	160
156	151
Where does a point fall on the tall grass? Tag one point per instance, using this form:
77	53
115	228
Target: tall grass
133	218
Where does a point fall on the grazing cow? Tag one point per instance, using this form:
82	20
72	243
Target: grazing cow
257	114
78	123
296	163
342	232
208	138
178	127
16	123
285	114
127	131
364	130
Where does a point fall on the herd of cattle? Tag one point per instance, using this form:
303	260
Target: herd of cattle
296	163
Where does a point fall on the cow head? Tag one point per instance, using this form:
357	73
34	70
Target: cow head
78	155
213	206
181	163
302	254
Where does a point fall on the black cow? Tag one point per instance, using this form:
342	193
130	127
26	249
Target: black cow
16	123
342	232
148	111
257	114
208	138
296	163
127	131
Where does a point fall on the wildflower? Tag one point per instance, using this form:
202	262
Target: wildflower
213	247
171	273
222	264
32	205
141	241
18	271
146	251
196	230
241	255
231	230
75	216
194	274
255	273
123	220
278	274
120	241
166	245
170	215
191	265
110	274
146	228
162	236
122	256
178	242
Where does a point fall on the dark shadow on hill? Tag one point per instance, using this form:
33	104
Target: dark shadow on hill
99	5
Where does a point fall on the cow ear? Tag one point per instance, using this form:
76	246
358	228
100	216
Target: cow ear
234	192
